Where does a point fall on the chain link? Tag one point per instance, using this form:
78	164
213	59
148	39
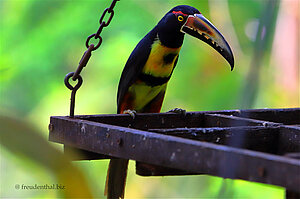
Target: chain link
87	54
109	19
103	24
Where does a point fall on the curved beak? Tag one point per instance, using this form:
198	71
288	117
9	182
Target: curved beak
198	26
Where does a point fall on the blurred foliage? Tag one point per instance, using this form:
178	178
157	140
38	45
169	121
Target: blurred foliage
264	36
41	41
18	137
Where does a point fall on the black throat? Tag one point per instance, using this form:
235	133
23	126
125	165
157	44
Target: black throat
169	38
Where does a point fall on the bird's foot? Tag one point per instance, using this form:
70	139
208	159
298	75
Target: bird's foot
178	110
132	113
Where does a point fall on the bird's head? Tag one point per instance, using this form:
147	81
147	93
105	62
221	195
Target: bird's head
186	19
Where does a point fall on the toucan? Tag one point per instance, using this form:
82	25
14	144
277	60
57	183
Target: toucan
144	79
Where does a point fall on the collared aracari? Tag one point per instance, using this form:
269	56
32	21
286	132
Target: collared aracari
145	76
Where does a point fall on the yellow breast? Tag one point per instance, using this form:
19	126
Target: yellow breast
143	94
161	60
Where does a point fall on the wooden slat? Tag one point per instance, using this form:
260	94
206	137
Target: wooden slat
177	153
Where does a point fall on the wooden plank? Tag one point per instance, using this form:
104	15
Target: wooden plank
175	152
144	121
257	138
289	116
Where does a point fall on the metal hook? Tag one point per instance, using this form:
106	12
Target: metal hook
73	89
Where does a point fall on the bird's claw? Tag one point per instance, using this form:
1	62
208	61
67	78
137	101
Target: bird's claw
132	113
178	110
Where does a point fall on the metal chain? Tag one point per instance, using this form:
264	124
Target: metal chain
87	54
102	25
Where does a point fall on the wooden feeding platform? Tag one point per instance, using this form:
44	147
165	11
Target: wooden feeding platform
259	145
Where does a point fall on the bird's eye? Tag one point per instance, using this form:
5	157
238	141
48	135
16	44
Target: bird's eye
180	18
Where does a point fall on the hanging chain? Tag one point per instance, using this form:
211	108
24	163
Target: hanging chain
87	54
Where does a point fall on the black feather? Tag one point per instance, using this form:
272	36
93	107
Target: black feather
135	64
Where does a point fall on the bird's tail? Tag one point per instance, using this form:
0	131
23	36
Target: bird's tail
116	178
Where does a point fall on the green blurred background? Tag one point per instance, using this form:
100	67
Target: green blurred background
42	40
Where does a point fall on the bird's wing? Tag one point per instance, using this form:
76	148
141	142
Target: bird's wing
134	65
